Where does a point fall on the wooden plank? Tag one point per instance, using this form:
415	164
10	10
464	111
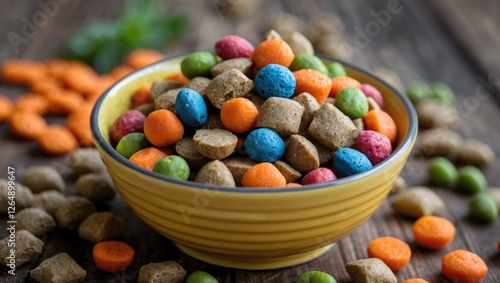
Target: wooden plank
412	43
474	27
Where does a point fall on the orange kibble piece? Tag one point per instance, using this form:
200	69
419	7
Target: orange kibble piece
313	82
379	121
57	67
80	78
433	232
273	51
64	102
32	102
143	57
112	256
416	280
461	266
293	185
56	140
392	251
78	123
163	128
26	124
339	83
264	175
23	72
6	108
179	76
141	96
147	157
101	85
239	115
46	86
120	72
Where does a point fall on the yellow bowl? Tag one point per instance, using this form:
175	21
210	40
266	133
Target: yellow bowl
243	227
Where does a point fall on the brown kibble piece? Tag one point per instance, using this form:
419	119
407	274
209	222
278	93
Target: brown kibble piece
60	268
100	226
215	143
243	65
324	153
199	84
186	149
291	175
372	104
98	188
299	43
164	272
495	194
389	76
331	127
167	100
475	152
24	196
326	23
238	166
417	202
86	160
439	141
160	87
398	186
35	220
27	248
213	122
57	140
228	85
282	115
370	270
48	201
146	108
271	34
26	125
434	114
333	44
286	23
301	154
360	126
215	173
72	211
42	178
310	105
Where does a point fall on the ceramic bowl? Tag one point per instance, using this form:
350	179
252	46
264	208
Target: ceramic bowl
250	228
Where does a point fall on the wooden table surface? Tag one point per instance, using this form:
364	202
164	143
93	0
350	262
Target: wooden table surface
455	42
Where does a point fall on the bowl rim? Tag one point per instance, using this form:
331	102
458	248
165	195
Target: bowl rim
403	147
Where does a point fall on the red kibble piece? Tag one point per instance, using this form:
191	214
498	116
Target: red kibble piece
233	46
376	146
319	175
129	122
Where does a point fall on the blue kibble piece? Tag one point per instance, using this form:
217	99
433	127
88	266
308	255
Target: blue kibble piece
348	161
264	145
274	81
191	108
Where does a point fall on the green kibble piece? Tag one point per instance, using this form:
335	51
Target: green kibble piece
443	93
308	61
131	143
352	102
418	91
172	166
442	171
201	277
199	64
315	277
471	179
483	208
335	69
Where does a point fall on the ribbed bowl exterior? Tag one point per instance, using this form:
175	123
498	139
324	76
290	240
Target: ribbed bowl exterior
250	228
